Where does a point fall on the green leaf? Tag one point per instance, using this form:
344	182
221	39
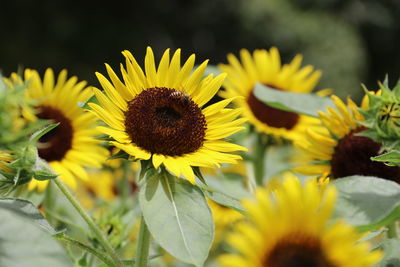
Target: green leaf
26	209
25	237
178	217
307	104
224	200
230	184
391	248
367	202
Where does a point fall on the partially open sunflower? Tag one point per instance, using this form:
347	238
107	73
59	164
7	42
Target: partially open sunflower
158	114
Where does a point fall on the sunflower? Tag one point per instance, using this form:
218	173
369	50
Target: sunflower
265	67
290	228
71	145
338	150
158	114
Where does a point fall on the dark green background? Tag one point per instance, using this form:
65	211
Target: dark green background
352	41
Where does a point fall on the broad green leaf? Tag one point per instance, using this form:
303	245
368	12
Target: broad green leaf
230	184
307	104
27	210
367	202
23	240
178	217
391	248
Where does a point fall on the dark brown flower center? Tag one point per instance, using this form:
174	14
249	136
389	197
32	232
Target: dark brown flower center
56	143
165	121
352	157
297	253
272	117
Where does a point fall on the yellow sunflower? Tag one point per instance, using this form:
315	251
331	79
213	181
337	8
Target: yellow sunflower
158	114
71	145
265	67
291	228
338	151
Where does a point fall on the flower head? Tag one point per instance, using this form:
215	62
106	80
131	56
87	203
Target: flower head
265	67
158	114
71	145
338	150
290	227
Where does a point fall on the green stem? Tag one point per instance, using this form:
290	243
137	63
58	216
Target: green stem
84	247
96	230
259	159
392	231
142	251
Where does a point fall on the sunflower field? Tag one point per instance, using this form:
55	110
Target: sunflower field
270	138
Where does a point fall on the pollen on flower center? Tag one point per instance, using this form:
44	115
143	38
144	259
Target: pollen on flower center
165	121
55	144
297	253
271	116
352	157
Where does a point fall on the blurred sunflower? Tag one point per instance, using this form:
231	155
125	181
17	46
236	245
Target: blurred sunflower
158	114
5	158
71	145
290	228
265	67
338	150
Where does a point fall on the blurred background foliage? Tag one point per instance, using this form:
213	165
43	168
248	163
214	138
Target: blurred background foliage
351	41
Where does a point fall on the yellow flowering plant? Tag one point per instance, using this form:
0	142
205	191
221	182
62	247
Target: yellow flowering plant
152	168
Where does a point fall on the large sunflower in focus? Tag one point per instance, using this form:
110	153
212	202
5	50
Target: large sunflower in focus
290	227
265	67
71	145
158	114
338	150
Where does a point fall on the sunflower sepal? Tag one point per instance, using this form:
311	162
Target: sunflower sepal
391	158
199	175
42	171
382	120
92	99
146	169
120	155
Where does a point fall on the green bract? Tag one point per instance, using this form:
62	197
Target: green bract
382	119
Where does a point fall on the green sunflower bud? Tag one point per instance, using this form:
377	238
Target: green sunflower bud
382	119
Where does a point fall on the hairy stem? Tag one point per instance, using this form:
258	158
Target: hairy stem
95	229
